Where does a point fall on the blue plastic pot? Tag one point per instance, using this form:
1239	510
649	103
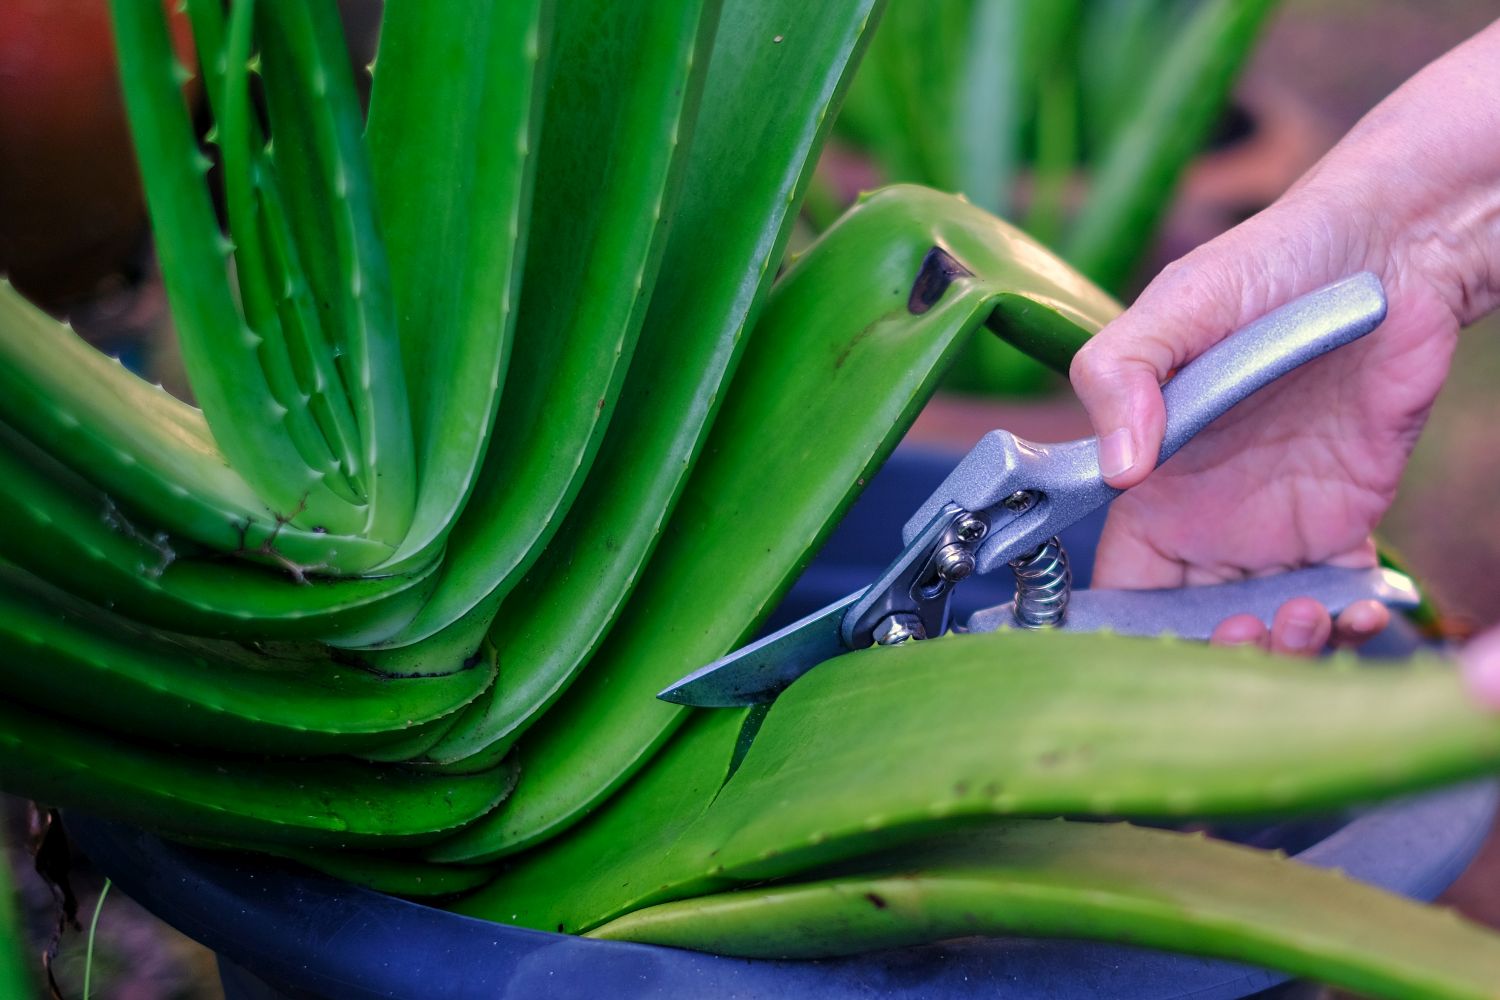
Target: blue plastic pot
285	933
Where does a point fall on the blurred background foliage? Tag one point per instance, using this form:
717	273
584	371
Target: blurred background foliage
1122	132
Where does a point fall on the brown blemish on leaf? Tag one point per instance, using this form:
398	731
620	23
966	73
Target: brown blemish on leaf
937	272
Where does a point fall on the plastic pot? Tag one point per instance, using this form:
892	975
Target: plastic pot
285	933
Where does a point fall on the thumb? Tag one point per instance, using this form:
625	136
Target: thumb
1192	304
1480	662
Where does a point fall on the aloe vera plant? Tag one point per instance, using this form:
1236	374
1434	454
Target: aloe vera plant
503	423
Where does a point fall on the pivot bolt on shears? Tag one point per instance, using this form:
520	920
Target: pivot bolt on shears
1007	500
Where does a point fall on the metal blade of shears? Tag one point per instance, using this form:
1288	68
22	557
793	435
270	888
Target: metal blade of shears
758	672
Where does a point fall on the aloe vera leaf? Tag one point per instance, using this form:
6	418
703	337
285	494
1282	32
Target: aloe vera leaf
218	349
1037	46
837	368
322	165
1137	176
65	532
311	353
987	114
455	221
1120	45
555	618
106	670
1115	882
308	348
1031	724
1053	29
226	71
868	117
1091	725
147	450
655	808
917	46
598	229
1056	155
382	869
391	873
411	748
766	106
905	103
295	319
230	799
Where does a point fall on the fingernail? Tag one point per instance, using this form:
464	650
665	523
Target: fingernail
1241	630
1480	661
1116	453
1365	617
1297	633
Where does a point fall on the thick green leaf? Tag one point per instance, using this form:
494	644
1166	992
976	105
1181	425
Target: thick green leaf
772	81
923	42
235	800
610	166
1018	724
1135	180
106	671
655	808
147	450
265	252
836	370
245	175
453	190
322	167
1154	888
64	531
987	114
219	350
905	101
391	873
870	117
1120	47
1055	163
266	260
1091	725
1038	46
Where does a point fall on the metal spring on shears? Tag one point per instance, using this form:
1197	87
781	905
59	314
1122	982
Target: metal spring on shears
1044	582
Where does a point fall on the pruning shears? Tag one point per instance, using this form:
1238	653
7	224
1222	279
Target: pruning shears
1007	500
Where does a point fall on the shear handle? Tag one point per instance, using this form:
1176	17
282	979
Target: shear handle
1194	612
1063	480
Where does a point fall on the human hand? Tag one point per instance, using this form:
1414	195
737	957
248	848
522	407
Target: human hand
1480	662
1300	473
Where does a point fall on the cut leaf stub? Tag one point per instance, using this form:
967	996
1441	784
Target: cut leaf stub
933	278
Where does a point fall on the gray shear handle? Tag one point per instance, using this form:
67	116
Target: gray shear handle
1267	349
1194	612
1066	476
